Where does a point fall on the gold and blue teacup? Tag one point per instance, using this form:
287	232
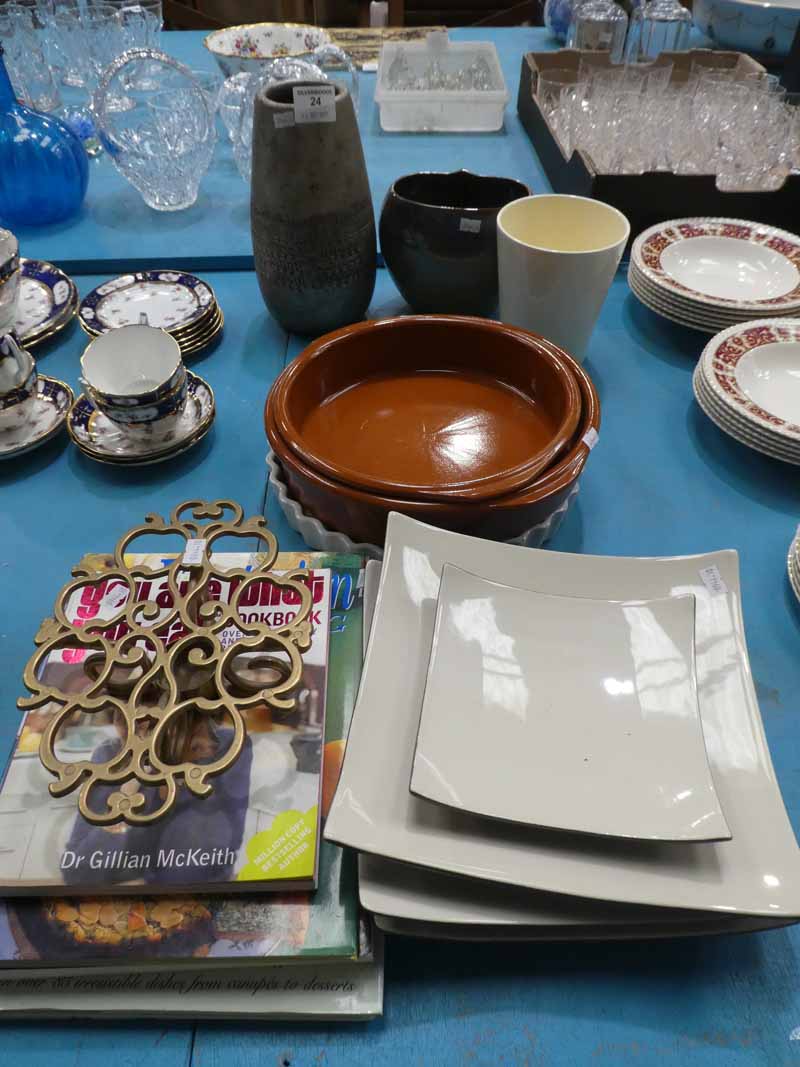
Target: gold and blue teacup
136	377
19	384
9	281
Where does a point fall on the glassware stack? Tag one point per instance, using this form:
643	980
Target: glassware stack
68	43
636	117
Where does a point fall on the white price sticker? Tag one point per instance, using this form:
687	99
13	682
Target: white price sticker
470	225
113	599
195	552
590	438
713	580
283	118
314	103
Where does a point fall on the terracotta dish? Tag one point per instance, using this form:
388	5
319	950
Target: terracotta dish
363	516
432	407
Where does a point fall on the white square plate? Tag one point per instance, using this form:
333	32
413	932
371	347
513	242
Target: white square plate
758	872
646	931
565	712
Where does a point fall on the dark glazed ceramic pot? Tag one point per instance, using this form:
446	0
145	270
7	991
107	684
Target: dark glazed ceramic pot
311	214
438	238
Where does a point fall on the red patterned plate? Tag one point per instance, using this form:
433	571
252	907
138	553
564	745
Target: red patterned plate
723	263
754	368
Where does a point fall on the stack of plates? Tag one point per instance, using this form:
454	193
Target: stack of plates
46	302
793	564
748	383
182	304
109	442
712	273
560	746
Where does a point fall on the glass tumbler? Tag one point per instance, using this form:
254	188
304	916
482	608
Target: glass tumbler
557	91
598	25
658	26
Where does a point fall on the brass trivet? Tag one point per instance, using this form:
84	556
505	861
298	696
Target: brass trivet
160	690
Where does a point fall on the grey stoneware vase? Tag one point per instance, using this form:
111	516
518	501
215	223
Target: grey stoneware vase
438	239
311	214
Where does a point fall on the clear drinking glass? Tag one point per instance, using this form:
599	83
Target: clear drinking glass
754	152
141	21
163	144
27	66
763	82
69	35
557	90
658	26
794	137
598	25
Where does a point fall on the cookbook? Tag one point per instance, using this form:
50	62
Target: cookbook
257	828
347	990
62	935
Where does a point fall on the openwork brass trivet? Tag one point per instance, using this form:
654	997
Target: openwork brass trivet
159	667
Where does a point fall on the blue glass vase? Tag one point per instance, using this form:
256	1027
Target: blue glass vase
44	169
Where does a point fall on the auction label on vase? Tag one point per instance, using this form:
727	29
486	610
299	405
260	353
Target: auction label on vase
314	103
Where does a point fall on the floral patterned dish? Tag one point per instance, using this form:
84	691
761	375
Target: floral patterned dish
753	370
727	421
172	300
100	438
238	49
722	263
47	417
46	301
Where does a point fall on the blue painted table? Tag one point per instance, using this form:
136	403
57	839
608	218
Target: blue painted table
118	228
662	480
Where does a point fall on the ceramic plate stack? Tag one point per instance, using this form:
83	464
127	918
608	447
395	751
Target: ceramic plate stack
793	564
182	304
709	274
748	383
46	302
470	425
554	746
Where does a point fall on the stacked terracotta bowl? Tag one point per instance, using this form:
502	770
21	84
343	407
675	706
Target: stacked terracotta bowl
466	424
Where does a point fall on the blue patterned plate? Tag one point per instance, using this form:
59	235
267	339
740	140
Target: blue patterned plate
46	301
170	299
49	415
101	439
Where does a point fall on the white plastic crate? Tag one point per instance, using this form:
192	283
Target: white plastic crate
441	110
